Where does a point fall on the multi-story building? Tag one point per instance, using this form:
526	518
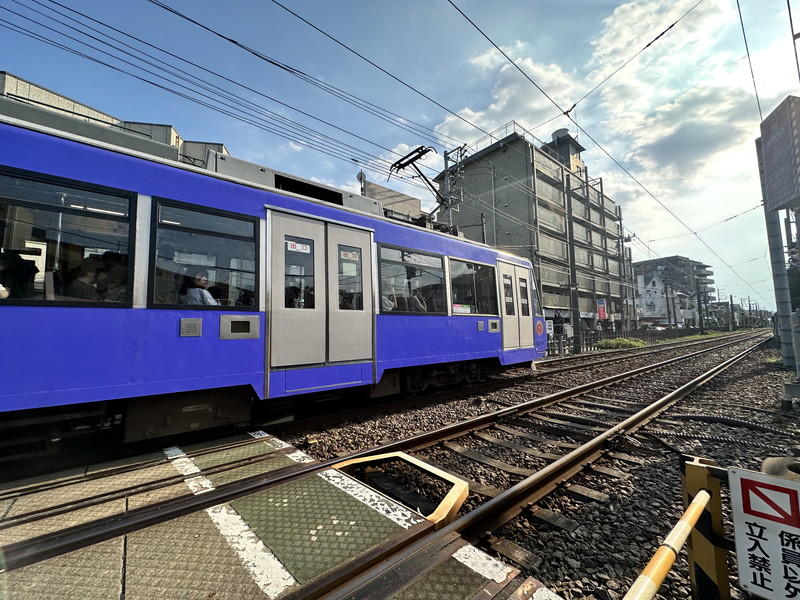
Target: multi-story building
536	199
671	290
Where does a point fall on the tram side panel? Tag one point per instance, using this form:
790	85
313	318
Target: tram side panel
64	203
72	219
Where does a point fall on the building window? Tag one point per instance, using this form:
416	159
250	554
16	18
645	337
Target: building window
62	243
203	259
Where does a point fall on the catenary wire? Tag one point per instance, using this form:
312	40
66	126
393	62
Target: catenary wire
282	127
749	61
597	144
566	113
366	161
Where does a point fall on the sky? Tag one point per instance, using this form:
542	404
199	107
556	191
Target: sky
668	101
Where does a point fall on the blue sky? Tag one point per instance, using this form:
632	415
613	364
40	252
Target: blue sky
681	117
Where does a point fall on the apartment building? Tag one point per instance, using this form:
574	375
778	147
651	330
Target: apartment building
537	200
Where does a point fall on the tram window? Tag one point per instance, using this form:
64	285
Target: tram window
299	272
203	259
508	295
63	244
474	288
411	282
525	308
351	284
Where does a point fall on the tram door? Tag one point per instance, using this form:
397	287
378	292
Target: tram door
516	303
321	299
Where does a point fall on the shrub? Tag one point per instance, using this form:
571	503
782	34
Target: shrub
620	343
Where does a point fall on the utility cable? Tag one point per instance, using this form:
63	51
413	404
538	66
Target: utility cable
213	73
361	103
749	61
744	212
597	144
282	123
650	43
334	148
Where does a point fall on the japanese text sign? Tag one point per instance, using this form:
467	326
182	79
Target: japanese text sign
766	523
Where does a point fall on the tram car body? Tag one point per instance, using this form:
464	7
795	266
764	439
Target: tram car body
173	297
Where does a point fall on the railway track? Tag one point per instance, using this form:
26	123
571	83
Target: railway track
99	447
572	442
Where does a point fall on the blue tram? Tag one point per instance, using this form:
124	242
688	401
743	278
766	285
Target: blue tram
165	297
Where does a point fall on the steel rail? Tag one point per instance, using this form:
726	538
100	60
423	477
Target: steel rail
36	488
516	499
54	510
673	345
36	549
497	384
602	358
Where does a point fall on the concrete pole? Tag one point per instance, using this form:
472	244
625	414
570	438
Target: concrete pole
730	304
573	272
780	281
447	191
699	305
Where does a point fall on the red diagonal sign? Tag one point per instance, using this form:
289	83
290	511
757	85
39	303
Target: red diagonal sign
771	502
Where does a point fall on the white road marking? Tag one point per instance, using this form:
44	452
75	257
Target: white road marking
267	571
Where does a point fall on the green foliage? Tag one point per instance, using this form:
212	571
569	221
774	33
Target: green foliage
619	343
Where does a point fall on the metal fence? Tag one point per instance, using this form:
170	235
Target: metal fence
587	340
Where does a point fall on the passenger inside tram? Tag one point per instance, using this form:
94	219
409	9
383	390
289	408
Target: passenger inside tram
194	289
84	285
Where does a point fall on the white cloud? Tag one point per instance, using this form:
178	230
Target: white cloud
681	117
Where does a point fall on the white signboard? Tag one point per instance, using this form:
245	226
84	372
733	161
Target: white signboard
780	150
298	247
766	523
549	327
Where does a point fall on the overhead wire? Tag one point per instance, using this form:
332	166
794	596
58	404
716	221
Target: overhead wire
337	92
283	128
322	85
382	113
632	58
744	212
284	66
565	113
749	60
280	125
213	73
597	144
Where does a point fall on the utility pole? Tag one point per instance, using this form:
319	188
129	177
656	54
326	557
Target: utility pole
450	174
573	272
666	301
730	321
674	309
699	305
448	199
780	282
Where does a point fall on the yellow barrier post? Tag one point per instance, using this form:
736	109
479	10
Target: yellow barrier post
646	585
708	560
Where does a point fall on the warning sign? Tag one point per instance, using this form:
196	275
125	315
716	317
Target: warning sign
773	502
766	523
